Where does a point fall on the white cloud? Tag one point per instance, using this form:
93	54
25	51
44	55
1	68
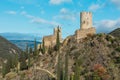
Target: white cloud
94	7
38	20
116	2
65	14
107	25
43	21
63	11
56	2
11	12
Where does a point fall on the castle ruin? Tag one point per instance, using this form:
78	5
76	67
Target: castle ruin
50	41
86	27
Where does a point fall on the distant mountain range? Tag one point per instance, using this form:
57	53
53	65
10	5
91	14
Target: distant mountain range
21	40
23	43
21	36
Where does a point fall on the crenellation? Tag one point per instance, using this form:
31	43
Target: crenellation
50	40
86	26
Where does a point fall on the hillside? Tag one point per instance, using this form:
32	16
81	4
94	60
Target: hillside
93	52
116	33
96	56
7	49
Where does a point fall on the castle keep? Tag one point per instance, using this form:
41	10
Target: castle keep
86	27
50	40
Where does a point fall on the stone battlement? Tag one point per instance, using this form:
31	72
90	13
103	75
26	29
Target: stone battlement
50	41
86	26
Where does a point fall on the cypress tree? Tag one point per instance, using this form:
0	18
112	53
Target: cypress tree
66	66
58	40
43	47
77	71
30	50
58	68
35	49
29	59
16	62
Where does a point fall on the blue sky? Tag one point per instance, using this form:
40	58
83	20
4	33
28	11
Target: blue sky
41	16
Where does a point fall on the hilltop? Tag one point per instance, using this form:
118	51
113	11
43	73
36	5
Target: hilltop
100	51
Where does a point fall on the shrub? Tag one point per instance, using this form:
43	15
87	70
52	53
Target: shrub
118	49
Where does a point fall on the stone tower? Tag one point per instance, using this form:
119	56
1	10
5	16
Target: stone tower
86	27
86	20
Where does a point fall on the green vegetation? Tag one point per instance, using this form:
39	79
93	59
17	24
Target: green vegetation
57	47
118	49
43	47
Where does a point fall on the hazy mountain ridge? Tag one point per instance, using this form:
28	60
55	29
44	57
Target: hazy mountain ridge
21	36
23	43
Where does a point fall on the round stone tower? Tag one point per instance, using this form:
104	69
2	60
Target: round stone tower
85	20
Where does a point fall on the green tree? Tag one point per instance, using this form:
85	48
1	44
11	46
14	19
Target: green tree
30	50
43	47
58	40
77	71
6	66
16	62
35	49
23	64
66	66
29	59
58	68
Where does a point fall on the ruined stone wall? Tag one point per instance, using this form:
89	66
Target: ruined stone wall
50	41
82	33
